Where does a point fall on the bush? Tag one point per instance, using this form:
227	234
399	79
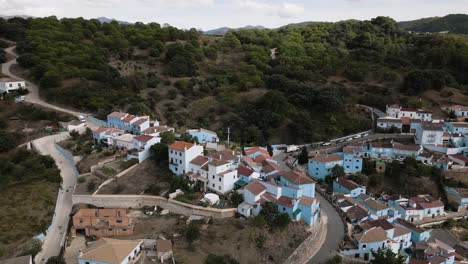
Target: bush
260	241
91	185
81	180
191	232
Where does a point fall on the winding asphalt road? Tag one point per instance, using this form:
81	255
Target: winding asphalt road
52	242
335	232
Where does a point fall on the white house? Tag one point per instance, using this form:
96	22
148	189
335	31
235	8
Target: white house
141	147
419	208
112	251
156	131
399	112
459	110
221	176
102	134
180	155
8	84
430	134
124	141
203	135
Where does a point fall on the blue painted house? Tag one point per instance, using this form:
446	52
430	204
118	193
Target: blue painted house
321	166
203	135
246	175
345	186
292	192
130	123
458	127
372	205
352	159
458	198
417	234
381	150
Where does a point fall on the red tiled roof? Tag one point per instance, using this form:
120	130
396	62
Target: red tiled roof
128	118
427	202
268	197
460	157
260	158
285	201
459	107
199	160
384	224
101	130
225	154
255	187
118	115
249	161
411	147
244	170
307	201
140	121
326	158
253	150
348	184
154	129
294	177
181	145
143	138
218	162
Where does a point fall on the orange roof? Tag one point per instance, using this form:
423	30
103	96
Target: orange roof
307	201
101	130
244	170
128	118
253	150
255	187
143	138
140	121
285	201
199	160
326	158
181	145
118	115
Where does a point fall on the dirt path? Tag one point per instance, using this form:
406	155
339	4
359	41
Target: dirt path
33	96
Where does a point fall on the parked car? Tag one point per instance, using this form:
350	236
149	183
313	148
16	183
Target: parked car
366	135
326	144
349	139
357	136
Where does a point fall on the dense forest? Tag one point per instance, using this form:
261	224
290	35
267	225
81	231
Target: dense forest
294	84
457	23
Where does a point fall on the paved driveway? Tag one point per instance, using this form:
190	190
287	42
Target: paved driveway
335	232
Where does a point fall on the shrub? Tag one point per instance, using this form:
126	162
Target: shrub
260	241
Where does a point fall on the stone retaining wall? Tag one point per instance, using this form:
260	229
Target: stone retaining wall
138	201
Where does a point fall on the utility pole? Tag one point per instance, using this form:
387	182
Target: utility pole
228	135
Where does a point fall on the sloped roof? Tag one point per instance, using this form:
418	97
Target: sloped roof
409	147
109	250
255	187
285	201
163	246
118	115
348	184
408	225
199	160
140	121
399	231
241	169
294	177
253	150
356	212
384	224
327	158
143	138
375	234
307	201
128	118
181	145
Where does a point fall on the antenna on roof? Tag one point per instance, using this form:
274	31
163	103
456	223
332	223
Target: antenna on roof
228	135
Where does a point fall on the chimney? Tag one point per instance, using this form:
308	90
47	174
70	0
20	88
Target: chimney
233	152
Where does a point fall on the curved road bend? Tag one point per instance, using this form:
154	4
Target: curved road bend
335	232
58	229
33	95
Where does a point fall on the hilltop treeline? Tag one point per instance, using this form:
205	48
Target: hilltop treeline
302	80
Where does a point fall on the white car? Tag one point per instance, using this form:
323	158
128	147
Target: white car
366	135
326	144
349	139
357	136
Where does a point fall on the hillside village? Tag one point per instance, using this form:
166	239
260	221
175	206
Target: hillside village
135	189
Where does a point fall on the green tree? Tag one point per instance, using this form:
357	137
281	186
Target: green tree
338	171
386	256
191	232
167	137
303	157
270	149
8	141
32	247
160	152
217	259
56	260
236	198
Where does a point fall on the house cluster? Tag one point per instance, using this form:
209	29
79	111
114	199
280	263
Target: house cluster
103	225
115	251
8	84
256	174
388	223
130	133
351	157
446	142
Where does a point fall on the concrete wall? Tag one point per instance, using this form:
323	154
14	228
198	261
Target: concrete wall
138	201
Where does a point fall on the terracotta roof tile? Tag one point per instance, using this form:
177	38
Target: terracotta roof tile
327	158
143	138
181	145
255	187
244	170
348	184
253	150
199	160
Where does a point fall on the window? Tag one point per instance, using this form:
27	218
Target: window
124	229
284	209
119	221
219	188
172	152
213	176
219	178
364	246
213	185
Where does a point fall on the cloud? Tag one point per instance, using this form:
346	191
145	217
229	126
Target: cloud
285	9
27	7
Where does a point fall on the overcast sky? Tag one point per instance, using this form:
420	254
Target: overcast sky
209	14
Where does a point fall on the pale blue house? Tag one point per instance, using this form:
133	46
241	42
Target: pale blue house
352	159
458	127
246	175
458	198
345	186
203	135
372	205
381	150
321	166
417	234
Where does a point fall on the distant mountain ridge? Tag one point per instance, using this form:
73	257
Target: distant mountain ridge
454	23
222	30
108	20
